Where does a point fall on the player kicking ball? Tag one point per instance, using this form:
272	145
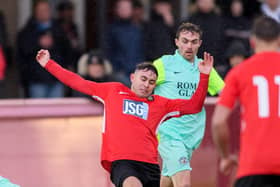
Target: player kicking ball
131	117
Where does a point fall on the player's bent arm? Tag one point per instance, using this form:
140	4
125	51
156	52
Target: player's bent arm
70	79
220	130
195	104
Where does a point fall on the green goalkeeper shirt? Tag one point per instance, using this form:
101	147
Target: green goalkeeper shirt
178	78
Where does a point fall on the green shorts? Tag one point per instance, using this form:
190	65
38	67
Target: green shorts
175	157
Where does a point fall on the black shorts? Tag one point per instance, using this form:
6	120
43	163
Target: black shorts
148	174
259	181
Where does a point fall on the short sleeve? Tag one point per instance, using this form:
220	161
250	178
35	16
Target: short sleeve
160	68
230	92
216	83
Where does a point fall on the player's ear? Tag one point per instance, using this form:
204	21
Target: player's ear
132	77
176	41
200	42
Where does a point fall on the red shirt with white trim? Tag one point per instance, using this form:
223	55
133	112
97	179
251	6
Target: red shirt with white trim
129	130
256	84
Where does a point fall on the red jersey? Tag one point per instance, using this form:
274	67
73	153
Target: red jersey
129	129
256	83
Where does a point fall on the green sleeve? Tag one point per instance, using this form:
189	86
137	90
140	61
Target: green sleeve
216	83
158	63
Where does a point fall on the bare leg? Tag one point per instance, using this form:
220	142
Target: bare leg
165	181
182	179
132	182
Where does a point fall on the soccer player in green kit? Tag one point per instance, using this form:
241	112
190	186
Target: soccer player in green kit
178	78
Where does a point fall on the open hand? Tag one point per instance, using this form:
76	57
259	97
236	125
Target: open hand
43	56
206	65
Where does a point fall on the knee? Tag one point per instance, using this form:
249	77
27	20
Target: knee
132	182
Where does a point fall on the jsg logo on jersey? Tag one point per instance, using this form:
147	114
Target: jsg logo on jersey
139	109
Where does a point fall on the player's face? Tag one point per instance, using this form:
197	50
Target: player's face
143	82
188	44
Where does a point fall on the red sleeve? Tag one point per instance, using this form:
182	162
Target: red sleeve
230	92
193	105
76	82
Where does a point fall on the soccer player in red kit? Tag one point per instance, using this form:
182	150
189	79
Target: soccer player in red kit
129	143
256	84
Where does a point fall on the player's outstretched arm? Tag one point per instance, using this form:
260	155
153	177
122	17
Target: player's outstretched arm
67	77
195	104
